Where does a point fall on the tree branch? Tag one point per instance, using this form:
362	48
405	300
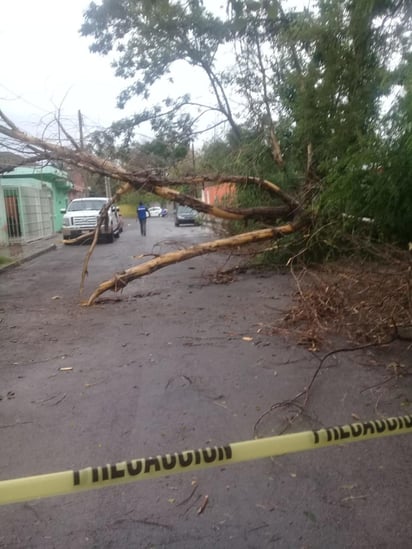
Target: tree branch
120	280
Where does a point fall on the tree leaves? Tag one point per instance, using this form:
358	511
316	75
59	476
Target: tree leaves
305	88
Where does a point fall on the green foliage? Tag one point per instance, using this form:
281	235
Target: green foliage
374	180
164	153
247	156
146	39
315	78
127	210
333	97
133	198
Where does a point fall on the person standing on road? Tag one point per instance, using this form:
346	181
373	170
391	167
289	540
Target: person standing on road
141	214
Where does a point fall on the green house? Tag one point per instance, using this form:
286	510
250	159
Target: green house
30	202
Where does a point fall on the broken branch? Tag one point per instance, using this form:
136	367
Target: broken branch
120	280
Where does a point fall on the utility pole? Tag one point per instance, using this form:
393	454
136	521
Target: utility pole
81	140
108	187
193	156
80	117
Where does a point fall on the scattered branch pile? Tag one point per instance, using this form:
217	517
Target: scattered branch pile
363	302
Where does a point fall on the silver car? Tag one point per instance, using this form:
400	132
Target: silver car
185	215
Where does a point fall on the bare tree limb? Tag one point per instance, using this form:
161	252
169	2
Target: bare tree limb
120	280
276	150
102	217
148	181
66	133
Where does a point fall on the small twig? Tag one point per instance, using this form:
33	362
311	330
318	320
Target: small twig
140	256
192	504
14	424
351	498
144	521
68	136
51	398
189	497
380	383
8	121
203	506
88	385
60	400
377	413
306	390
278	405
90	251
264	525
342	350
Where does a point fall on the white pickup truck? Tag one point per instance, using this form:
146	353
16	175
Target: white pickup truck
82	214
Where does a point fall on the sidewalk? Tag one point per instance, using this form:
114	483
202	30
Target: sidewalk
16	254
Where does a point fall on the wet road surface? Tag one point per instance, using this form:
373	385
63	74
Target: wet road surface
181	362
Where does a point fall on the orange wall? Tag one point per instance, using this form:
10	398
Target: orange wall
219	193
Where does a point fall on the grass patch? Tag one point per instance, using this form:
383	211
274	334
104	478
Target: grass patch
4	260
128	210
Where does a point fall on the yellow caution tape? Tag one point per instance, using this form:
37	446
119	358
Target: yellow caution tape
73	482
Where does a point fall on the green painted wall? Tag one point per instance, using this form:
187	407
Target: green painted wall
36	178
4	239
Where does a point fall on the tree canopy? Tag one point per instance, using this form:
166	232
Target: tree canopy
316	99
303	97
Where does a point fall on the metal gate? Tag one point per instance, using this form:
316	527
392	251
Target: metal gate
12	203
29	213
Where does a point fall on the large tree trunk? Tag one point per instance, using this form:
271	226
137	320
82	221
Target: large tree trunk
120	280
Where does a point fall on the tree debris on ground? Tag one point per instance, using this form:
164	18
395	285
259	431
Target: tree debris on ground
364	302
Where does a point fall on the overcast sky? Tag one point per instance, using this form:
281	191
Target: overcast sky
46	66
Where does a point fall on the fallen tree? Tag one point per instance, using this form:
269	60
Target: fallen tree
282	219
332	306
120	280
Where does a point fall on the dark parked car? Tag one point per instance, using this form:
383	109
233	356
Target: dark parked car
185	215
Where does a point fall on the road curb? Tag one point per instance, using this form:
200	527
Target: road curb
28	257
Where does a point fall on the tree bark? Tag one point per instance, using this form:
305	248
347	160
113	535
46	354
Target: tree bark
120	280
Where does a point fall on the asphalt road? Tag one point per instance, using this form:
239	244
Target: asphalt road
178	361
